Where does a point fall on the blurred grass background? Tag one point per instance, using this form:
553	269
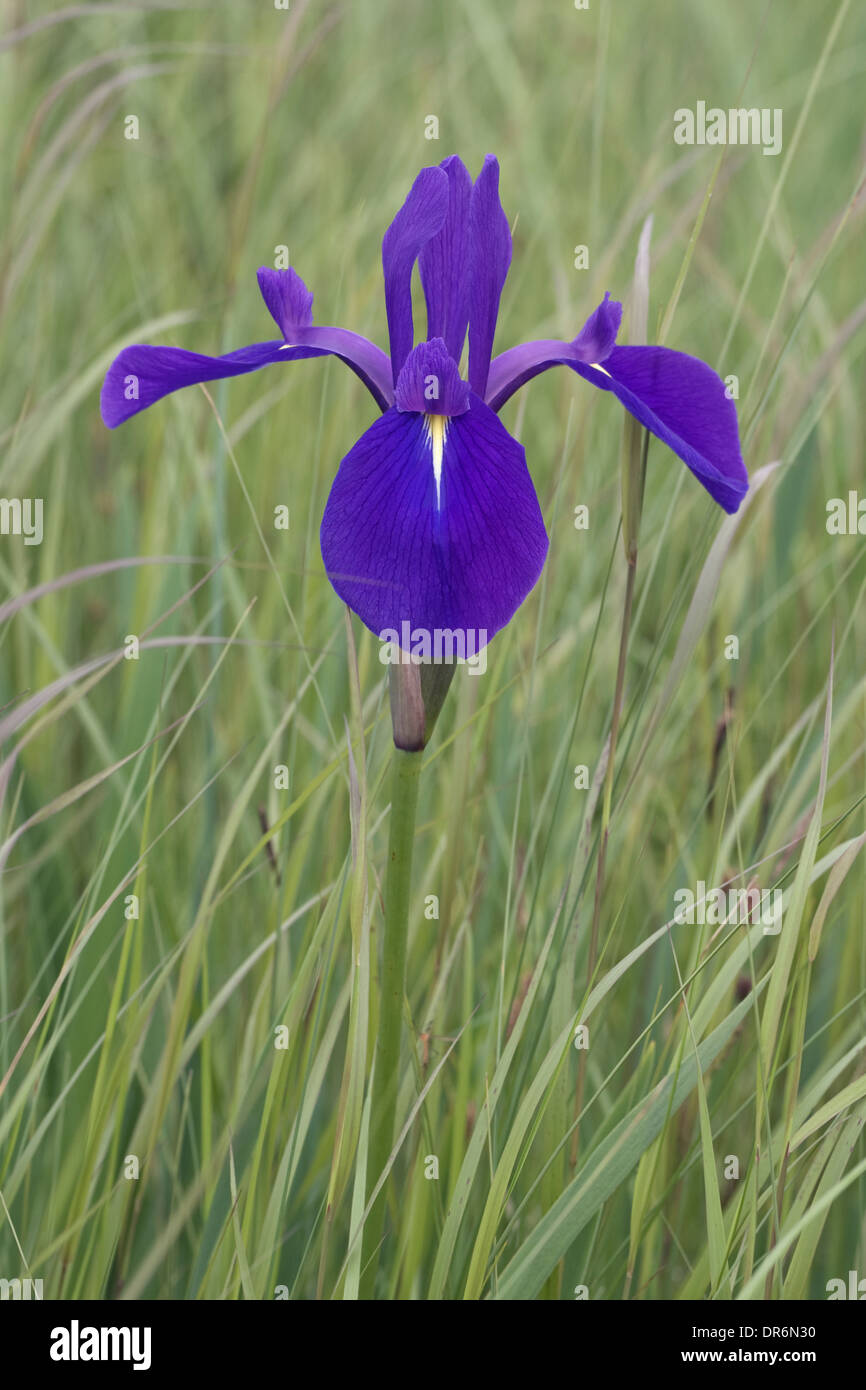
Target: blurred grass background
157	1138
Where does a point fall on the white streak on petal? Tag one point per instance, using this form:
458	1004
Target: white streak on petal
437	428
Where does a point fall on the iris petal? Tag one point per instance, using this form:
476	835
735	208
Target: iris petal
444	263
142	375
597	338
291	306
289	302
513	368
677	397
490	240
681	401
418	220
463	561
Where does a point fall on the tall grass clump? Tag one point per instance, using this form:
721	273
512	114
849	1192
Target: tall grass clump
612	1073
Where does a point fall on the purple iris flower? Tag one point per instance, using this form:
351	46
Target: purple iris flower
432	519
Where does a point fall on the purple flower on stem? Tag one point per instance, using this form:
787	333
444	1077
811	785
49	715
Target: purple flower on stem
433	519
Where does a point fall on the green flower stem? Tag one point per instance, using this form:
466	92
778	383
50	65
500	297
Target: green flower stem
635	447
405	771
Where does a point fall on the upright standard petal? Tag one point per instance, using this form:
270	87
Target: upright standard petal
449	548
490	257
419	219
444	263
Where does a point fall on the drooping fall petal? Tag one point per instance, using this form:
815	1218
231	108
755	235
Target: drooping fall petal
450	543
677	397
